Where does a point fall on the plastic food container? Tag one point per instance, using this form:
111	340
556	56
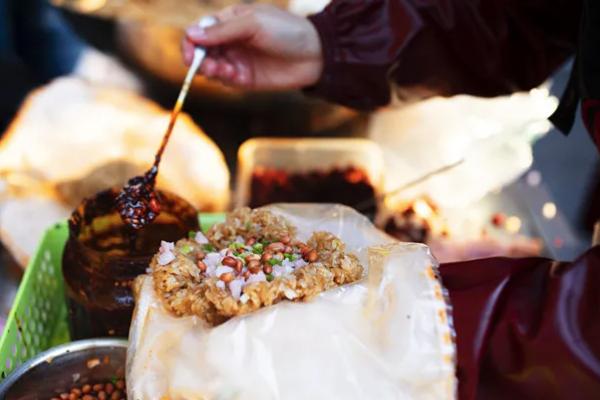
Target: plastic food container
323	170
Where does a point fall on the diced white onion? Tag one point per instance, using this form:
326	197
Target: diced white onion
212	259
288	270
223	269
260	277
235	287
165	257
282	271
200	238
211	270
299	263
166	246
244	298
221	285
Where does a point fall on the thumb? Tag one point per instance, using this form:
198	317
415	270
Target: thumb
223	33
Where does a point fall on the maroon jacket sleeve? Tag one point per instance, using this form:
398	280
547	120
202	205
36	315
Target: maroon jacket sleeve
440	47
526	328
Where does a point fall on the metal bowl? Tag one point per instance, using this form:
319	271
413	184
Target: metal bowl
58	369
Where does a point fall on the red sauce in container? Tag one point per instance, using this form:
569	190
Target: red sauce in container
349	186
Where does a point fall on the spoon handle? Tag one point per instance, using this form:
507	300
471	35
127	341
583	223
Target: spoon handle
199	55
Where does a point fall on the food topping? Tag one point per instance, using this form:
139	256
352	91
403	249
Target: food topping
200	238
113	390
241	259
251	260
166	254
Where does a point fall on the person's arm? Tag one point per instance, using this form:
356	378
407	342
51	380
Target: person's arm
526	328
440	47
351	52
258	47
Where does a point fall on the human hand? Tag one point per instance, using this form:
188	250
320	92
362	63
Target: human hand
258	47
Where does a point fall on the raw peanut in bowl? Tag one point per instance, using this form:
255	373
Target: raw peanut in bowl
112	390
250	261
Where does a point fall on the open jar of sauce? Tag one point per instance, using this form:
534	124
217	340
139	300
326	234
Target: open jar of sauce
103	256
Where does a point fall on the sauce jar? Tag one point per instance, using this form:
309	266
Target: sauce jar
103	256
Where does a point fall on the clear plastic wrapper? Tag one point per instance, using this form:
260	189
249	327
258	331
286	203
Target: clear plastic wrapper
491	136
389	336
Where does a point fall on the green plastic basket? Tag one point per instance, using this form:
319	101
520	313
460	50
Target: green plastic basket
38	318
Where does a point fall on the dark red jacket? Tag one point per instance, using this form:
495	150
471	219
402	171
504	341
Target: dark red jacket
528	328
446	47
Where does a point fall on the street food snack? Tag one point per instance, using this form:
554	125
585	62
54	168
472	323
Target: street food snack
386	335
250	261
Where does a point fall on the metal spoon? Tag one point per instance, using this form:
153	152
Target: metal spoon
137	202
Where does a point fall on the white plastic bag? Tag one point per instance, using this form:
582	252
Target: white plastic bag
388	336
492	136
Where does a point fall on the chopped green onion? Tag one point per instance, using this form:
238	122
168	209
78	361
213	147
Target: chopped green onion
270	277
287	256
185	249
191	235
295	257
236	245
208	247
274	261
257	248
